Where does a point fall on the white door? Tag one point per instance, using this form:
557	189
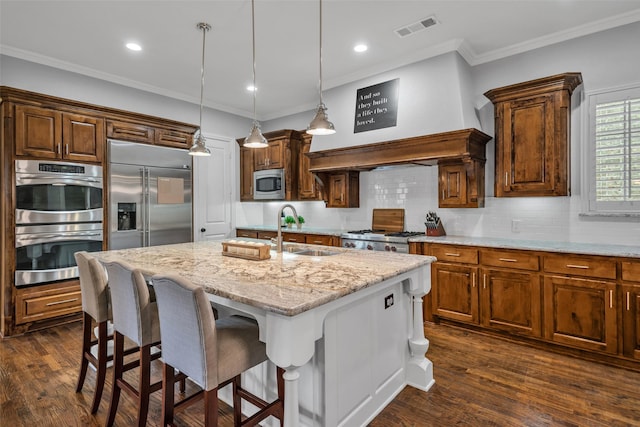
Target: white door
212	201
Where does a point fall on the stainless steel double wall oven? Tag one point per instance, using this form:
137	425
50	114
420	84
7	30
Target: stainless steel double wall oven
58	212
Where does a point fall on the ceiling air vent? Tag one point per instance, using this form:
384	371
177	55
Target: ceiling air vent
416	26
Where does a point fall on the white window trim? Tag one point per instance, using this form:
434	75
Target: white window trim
588	155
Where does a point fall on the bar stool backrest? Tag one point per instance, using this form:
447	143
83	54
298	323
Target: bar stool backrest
93	286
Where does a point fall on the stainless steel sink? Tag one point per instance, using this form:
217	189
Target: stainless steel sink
308	252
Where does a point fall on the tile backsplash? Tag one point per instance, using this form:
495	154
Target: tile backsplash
415	188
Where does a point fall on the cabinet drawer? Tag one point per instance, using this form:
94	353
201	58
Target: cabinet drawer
572	265
316	239
247	233
130	131
33	305
267	235
293	237
631	271
459	254
510	259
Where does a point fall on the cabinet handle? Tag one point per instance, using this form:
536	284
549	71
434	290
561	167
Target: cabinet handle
610	298
61	302
66	148
484	281
584	267
506	179
451	254
627	301
58	149
507	259
317	242
473	280
443	194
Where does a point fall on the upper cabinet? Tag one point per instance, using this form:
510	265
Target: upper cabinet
307	182
532	135
50	134
283	152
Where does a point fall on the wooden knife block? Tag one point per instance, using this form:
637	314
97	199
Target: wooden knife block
439	231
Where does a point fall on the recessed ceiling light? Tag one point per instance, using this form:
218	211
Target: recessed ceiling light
134	46
360	48
252	88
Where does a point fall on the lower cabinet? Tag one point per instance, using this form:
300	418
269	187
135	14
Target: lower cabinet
510	301
47	301
455	292
587	303
630	272
314	239
581	313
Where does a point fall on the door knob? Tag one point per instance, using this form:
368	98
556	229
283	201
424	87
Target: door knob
202	230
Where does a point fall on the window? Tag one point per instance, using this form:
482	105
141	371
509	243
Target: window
614	161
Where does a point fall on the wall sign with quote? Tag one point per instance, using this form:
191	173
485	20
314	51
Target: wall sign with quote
376	106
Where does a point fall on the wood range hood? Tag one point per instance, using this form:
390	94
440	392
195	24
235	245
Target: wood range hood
460	156
425	150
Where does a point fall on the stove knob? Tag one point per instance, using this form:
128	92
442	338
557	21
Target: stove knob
369	247
387	248
393	249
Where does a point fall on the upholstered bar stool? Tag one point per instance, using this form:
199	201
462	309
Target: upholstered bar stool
213	353
135	316
95	308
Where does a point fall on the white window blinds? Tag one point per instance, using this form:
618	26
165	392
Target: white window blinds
615	161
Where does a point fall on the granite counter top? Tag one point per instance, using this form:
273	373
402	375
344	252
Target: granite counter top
287	283
537	245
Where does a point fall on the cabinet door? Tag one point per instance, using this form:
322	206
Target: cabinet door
131	131
173	138
83	138
337	191
631	320
531	157
307	189
511	301
452	184
270	157
581	313
38	132
246	172
455	292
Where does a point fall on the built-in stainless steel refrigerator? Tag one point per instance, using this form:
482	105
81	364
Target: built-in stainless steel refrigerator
150	195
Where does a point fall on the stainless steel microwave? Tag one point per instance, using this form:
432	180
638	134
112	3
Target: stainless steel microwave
268	184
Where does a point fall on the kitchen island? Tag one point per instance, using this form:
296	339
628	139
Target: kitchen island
347	328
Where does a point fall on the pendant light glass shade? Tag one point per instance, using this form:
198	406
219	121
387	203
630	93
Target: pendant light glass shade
199	147
320	125
255	138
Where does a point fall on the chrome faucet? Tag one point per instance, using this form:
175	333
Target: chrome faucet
295	217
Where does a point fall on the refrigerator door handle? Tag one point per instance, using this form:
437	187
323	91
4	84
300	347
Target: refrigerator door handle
147	210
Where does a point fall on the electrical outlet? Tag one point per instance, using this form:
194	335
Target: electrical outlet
516	225
388	301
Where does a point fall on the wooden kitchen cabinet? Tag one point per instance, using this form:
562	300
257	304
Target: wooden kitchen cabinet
461	184
532	135
246	173
455	292
630	272
307	183
511	292
343	190
50	134
581	313
251	234
48	301
271	157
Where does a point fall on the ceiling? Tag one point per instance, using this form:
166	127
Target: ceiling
88	37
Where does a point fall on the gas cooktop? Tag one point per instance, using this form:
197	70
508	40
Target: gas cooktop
382	232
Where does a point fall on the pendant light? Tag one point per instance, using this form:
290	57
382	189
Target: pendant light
320	125
199	147
255	138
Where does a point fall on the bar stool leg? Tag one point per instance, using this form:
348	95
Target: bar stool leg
144	389
118	362
211	408
86	346
168	380
102	365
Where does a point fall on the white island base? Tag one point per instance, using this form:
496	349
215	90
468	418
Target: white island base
367	346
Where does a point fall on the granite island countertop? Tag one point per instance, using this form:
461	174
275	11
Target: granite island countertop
287	283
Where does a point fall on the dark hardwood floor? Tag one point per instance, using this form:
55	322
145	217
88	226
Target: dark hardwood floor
480	381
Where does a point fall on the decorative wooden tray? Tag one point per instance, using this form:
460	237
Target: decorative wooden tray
246	250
